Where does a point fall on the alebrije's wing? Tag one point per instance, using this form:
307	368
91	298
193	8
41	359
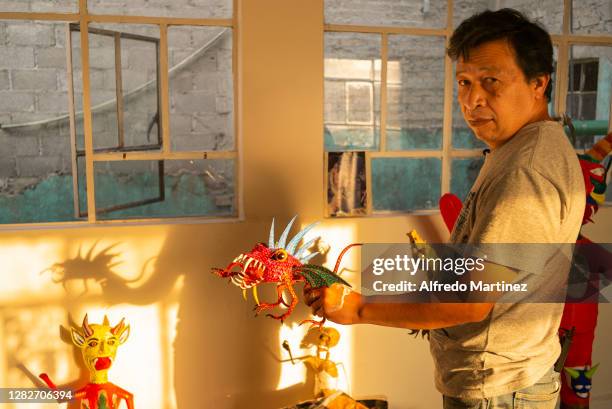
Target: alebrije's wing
318	276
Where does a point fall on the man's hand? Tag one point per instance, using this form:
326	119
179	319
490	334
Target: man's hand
336	303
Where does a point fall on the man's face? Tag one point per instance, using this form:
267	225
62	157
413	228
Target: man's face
494	95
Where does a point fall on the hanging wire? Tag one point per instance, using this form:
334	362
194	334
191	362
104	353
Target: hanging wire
171	72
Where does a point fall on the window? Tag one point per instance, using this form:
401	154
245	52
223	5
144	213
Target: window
588	92
582	89
385	64
124	113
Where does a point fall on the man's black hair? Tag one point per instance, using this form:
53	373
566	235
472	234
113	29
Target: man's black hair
531	43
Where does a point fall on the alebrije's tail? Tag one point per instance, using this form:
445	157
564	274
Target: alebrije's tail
342	253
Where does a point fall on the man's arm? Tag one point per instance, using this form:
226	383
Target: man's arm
359	309
385	310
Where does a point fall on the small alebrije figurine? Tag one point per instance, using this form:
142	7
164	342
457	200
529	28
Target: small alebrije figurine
283	263
98	344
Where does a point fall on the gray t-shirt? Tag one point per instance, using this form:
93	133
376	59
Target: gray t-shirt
529	190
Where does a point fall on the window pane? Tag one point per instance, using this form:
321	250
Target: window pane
575	75
55	6
463	174
133	189
201	88
408	13
35	154
346	184
82	185
140	90
405	183
590	111
549	13
415	92
589	71
573	105
131	65
174	8
592	18
589	101
103	91
77	83
463	137
352	91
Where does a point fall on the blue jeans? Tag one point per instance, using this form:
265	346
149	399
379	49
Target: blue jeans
542	395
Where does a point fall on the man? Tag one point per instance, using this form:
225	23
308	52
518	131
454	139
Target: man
529	190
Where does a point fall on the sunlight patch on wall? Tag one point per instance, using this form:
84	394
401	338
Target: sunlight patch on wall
335	238
22	274
290	374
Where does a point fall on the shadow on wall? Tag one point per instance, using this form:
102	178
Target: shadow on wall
223	357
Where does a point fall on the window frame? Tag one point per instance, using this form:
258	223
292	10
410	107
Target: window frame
83	19
563	42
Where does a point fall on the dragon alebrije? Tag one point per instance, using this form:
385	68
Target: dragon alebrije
282	263
98	344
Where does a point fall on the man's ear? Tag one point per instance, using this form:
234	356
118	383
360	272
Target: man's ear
539	84
77	338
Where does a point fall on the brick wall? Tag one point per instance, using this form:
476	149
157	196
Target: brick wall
33	86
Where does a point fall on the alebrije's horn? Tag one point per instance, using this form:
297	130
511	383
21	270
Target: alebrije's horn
589	374
105	322
572	372
86	328
271	238
117	328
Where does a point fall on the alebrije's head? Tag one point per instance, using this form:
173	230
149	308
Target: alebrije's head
273	261
580	380
99	343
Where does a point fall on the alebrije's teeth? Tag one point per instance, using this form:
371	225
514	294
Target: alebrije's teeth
248	263
255	296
